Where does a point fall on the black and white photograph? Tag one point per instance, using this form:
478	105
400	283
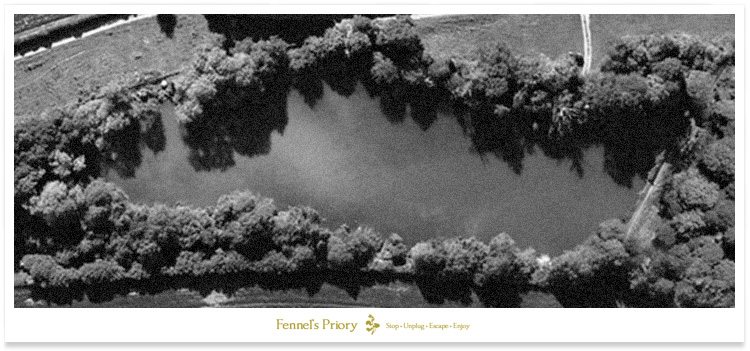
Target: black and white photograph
435	162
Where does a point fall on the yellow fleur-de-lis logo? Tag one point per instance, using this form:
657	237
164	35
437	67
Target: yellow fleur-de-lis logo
372	325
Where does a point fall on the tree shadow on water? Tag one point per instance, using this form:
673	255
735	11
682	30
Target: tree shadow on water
125	147
630	142
244	128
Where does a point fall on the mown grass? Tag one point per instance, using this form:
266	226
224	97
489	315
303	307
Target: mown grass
54	77
393	295
460	35
30	21
167	299
553	35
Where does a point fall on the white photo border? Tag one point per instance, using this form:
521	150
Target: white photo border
487	325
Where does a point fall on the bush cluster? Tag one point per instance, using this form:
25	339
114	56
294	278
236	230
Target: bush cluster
57	154
693	261
229	79
454	268
594	274
245	240
69	143
644	54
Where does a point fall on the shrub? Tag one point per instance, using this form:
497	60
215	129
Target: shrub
505	274
137	273
157	232
445	270
187	264
641	54
426	258
689	224
353	250
40	267
721	217
665	236
707	286
250	234
59	204
245	223
632	93
392	254
551	90
225	263
464	257
494	77
700	87
670	70
230	207
690	190
692	274
227	80
101	272
50	281
275	263
105	204
596	273
384	71
304	259
398	39
717	161
35	139
299	229
439	72
64	165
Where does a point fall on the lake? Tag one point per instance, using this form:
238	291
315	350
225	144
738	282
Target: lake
344	158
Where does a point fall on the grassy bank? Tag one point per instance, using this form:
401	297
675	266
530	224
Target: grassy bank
395	295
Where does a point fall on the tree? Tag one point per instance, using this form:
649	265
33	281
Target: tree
690	190
59	205
505	274
594	274
353	250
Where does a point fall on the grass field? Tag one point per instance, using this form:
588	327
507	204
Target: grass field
55	76
552	35
25	22
394	295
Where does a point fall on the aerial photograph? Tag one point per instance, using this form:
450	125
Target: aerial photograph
374	160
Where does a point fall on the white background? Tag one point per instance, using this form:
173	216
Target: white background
231	325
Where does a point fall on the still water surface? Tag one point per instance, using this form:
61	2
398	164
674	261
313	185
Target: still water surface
345	159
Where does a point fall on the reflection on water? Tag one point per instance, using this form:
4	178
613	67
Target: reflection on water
344	158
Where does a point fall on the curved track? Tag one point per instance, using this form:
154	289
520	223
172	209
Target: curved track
587	49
